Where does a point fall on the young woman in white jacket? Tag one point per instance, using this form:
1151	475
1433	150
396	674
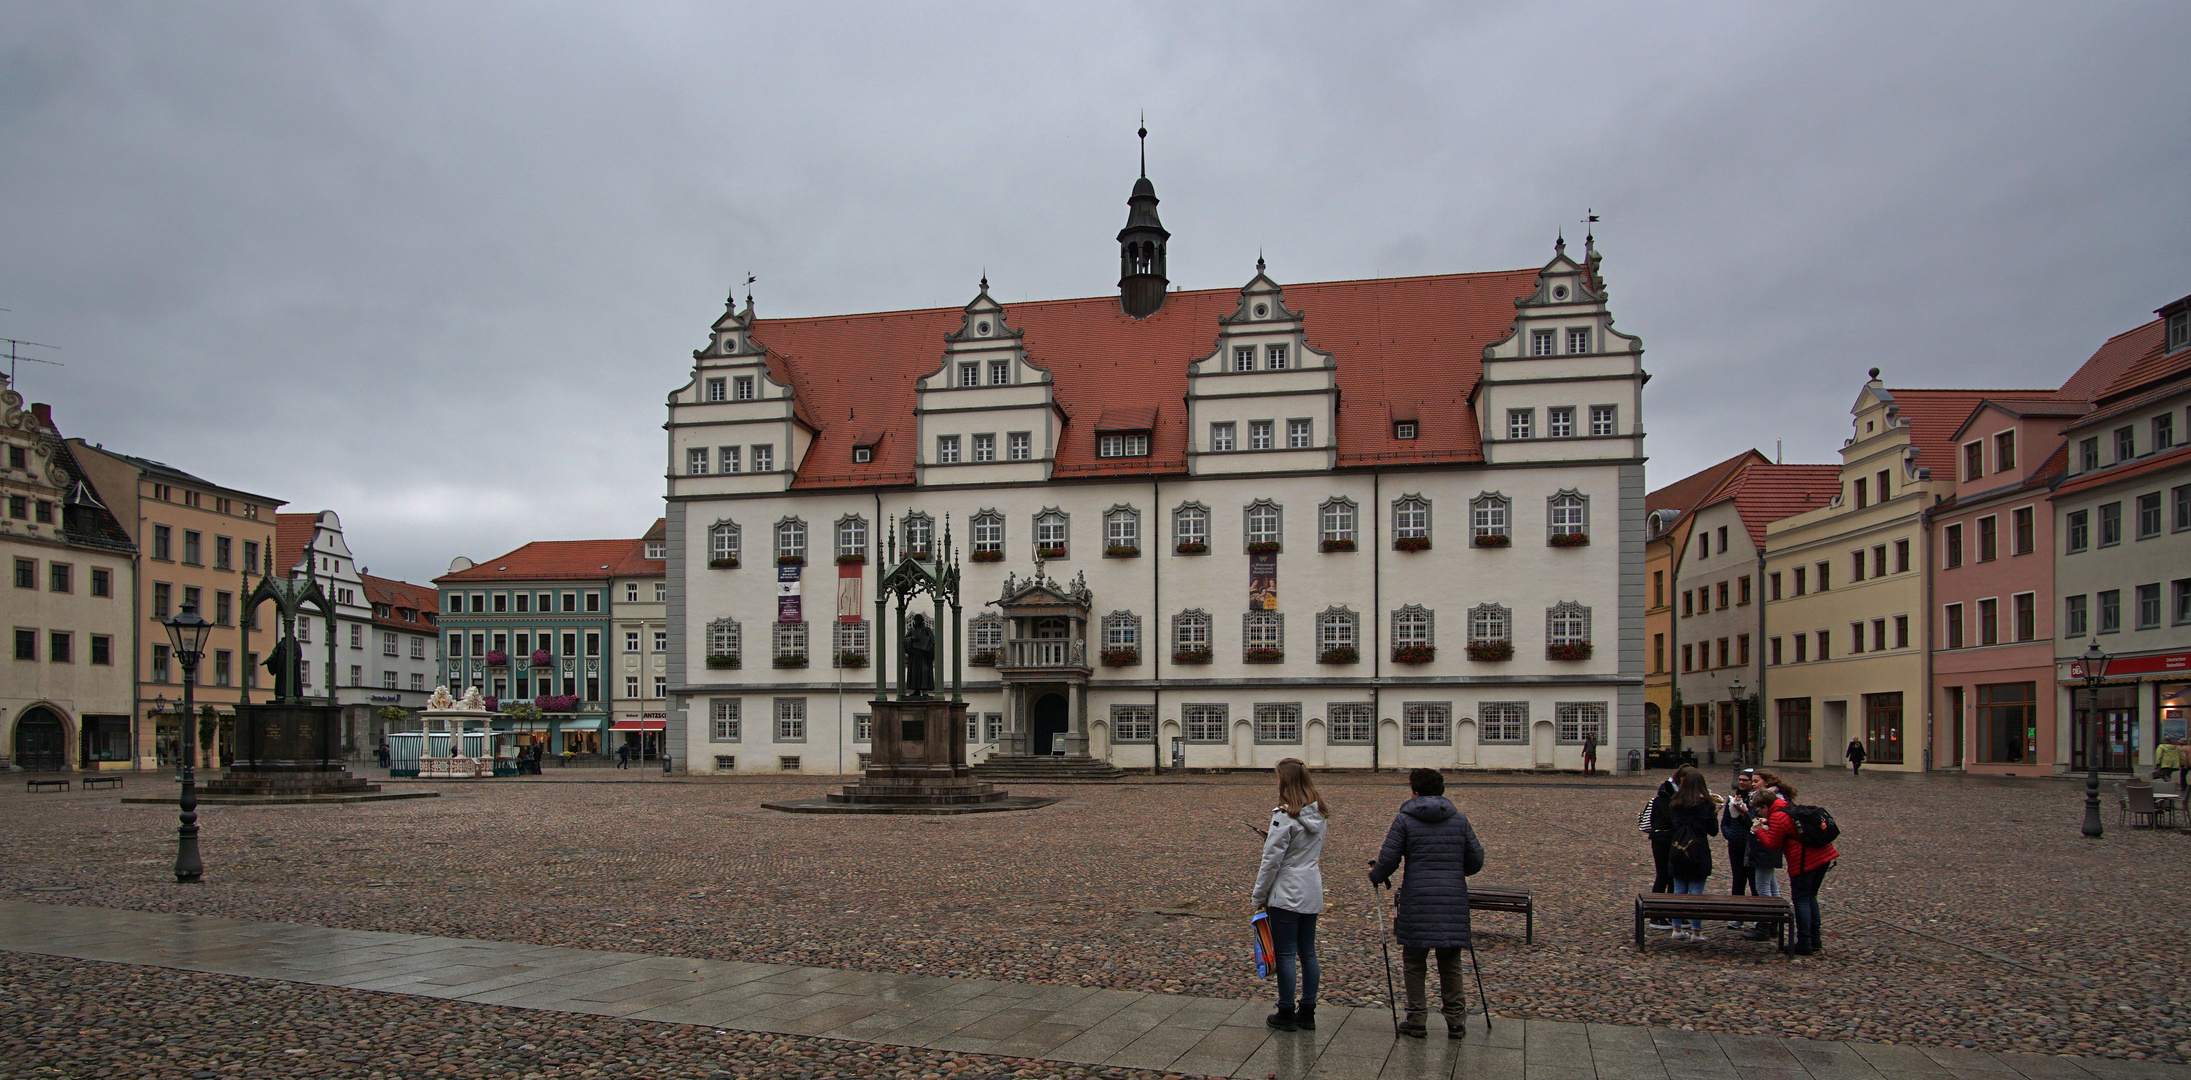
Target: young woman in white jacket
1291	888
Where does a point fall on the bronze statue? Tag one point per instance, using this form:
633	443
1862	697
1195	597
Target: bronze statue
282	665
920	658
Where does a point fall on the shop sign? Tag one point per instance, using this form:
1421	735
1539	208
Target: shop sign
2139	665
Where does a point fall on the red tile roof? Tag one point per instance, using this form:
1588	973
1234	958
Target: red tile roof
550	560
2112	361
1764	493
1934	416
636	564
2154	378
1401	343
2172	459
292	533
398	595
1691	491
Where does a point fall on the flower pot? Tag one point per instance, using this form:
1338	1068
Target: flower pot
851	560
1121	657
1263	547
1191	656
1411	543
1051	552
791	560
1337	545
980	555
852	660
791	661
1569	540
1192	547
721	662
1121	551
1339	656
729	563
1569	651
1263	656
1489	651
1494	540
1414	654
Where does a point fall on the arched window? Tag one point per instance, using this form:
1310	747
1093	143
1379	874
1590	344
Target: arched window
988	536
791	541
723	540
1265	526
1191	529
1122	532
919	533
1491	519
1263	635
725	644
1053	530
851	538
1490	622
1121	639
1567	631
1338	636
1411	523
1413	641
1335	521
1569	514
1191	637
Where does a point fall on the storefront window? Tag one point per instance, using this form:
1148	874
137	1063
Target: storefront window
2008	723
1883	728
2118	733
2175	706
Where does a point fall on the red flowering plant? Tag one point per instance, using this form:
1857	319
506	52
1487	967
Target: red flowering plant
556	703
1192	547
1338	545
1057	552
986	555
1122	657
541	658
725	562
791	560
1490	650
1494	540
1411	543
1122	551
983	658
851	659
1264	654
1343	654
1190	656
498	658
1263	547
722	660
852	558
1567	650
1573	539
1414	654
794	660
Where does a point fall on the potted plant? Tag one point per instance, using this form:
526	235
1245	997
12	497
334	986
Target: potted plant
724	562
497	658
1122	657
853	559
1494	540
794	660
1263	547
490	703
1487	651
1056	551
557	703
1122	551
541	658
1263	654
987	555
1411	543
723	660
791	560
1192	547
1338	545
1567	650
852	659
1414	654
1343	654
1573	539
1190	656
983	658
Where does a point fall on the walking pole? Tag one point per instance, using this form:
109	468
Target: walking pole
1480	994
1393	1002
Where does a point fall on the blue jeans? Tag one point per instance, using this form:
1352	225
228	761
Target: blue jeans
1293	936
1689	888
1803	890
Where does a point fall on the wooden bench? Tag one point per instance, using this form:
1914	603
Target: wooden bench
1504	898
49	785
1762	909
91	782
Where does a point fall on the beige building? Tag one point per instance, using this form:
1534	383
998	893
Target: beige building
196	540
66	698
638	596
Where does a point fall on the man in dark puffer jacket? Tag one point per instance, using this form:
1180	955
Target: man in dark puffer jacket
1441	851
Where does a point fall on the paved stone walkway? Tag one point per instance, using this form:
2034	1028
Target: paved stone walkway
1195	1035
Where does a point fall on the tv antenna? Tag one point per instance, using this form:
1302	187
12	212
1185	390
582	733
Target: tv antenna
13	348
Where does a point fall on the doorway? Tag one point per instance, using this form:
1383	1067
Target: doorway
1833	732
40	742
1046	733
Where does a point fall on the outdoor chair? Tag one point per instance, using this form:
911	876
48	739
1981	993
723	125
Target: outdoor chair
2141	804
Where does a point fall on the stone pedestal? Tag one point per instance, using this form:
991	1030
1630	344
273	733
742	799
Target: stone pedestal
917	766
288	751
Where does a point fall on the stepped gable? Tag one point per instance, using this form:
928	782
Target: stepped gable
1402	343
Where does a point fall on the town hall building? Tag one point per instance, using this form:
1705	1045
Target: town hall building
1371	524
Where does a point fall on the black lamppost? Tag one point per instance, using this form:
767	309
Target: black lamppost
2095	670
187	632
1742	719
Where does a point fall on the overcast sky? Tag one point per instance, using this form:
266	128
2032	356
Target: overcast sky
436	266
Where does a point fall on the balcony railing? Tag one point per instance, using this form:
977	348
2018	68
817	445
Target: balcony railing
1044	653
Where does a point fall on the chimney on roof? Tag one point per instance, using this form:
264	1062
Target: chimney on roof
1141	280
44	413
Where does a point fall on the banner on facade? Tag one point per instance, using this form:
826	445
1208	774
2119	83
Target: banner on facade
787	594
848	592
1263	581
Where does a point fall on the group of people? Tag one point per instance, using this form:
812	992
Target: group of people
1761	839
1440	850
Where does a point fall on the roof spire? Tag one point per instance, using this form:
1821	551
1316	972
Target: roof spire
1258	260
1559	242
750	279
1144	133
1141	278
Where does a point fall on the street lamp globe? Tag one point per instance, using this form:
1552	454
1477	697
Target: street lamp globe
187	631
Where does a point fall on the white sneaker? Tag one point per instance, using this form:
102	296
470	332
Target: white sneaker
1696	935
1681	935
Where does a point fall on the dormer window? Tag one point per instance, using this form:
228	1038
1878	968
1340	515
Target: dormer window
742	388
1541	342
970	374
2004	451
861	455
1275	358
1974	460
1123	445
1578	340
2126	443
656	549
2179	330
1404	429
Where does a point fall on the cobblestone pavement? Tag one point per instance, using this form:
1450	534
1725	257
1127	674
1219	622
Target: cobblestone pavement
1966	912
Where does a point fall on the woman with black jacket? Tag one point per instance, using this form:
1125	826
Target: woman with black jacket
1692	815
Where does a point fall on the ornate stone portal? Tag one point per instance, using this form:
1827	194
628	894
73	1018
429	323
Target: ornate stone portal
918	759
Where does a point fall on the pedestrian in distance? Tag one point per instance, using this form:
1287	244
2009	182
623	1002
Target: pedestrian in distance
2167	758
1440	849
383	753
1289	887
1807	865
1660	831
1763	861
1693	815
623	756
1856	756
1734	827
2183	764
1590	753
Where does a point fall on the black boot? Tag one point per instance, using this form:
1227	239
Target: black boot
1304	1018
1283	1019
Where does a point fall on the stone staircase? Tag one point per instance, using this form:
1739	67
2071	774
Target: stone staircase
1032	769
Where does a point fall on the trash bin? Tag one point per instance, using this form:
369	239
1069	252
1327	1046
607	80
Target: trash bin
665	764
1635	761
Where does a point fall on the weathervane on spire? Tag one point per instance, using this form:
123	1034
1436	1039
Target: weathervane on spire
1144	133
750	279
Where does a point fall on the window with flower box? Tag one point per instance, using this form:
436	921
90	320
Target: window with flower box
985	640
1490	633
1411	523
1427	723
1336	524
1490	520
852	539
1567	631
790	542
1350	722
1278	723
788	641
1263	634
988	527
1191	529
1053	530
849	644
1568	513
1412	639
919	533
1265	527
1204	723
1122	532
1191	637
1502	721
1121	639
1579	722
724	644
1338	636
1133	723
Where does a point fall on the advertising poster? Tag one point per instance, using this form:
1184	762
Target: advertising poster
1263	581
848	592
787	594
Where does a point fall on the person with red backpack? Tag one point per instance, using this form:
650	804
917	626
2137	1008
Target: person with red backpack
1804	836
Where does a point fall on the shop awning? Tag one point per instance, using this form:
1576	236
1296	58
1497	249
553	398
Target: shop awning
638	725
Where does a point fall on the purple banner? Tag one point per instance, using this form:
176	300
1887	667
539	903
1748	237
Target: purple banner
787	594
